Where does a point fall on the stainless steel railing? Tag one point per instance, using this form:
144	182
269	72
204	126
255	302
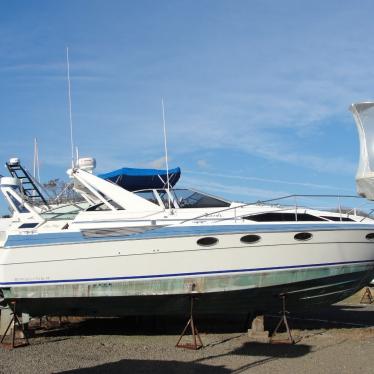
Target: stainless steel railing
295	207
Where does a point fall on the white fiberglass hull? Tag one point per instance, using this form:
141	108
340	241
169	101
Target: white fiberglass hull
165	263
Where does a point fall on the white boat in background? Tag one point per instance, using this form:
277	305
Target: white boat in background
363	114
148	251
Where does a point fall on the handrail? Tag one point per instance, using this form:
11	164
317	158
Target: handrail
263	202
256	213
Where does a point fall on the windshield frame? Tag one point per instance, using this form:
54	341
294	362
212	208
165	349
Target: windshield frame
170	194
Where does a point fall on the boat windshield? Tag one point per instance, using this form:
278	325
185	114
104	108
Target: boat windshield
182	198
194	199
64	212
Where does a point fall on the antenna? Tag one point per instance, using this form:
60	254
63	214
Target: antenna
36	169
70	116
77	153
166	151
34	165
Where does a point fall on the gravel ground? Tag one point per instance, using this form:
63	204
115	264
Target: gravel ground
345	344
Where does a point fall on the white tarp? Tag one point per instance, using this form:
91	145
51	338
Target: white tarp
363	114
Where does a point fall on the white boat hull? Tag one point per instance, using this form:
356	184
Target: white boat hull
333	264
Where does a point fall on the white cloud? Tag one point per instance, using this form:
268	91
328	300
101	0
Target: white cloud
266	180
159	163
233	189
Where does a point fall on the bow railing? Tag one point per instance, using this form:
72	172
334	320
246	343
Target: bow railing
279	204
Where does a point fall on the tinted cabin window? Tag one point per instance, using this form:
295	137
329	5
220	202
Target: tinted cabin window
276	217
165	199
103	207
28	225
303	236
148	195
193	199
207	242
249	239
334	218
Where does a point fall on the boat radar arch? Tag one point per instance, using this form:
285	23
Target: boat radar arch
363	114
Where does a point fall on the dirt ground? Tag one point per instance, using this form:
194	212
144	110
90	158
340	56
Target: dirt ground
337	339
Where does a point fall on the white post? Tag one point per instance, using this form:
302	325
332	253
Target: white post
166	152
70	115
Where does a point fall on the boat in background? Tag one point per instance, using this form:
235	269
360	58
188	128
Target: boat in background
363	114
149	251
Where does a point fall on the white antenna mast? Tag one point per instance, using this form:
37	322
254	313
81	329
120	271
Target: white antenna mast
70	116
76	153
36	171
166	151
34	165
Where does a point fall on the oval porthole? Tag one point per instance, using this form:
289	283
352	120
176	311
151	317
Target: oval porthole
208	241
303	236
250	239
370	236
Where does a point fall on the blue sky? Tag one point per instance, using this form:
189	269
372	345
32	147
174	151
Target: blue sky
256	92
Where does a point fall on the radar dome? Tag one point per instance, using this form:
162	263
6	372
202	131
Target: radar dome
87	164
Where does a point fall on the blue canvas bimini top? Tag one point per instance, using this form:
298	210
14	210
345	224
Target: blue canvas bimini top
133	179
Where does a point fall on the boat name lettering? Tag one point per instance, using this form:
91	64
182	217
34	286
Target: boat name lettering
34	278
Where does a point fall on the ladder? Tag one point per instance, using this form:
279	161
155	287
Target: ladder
28	186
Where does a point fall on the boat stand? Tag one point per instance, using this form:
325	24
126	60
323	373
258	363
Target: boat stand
283	320
367	297
196	340
16	324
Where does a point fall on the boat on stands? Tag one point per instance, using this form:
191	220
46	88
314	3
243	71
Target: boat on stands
133	244
142	246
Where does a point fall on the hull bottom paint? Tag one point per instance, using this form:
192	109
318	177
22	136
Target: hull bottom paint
36	300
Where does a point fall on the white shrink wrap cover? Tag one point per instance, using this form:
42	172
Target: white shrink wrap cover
363	114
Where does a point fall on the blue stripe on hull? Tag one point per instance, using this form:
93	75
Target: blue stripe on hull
176	231
215	272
